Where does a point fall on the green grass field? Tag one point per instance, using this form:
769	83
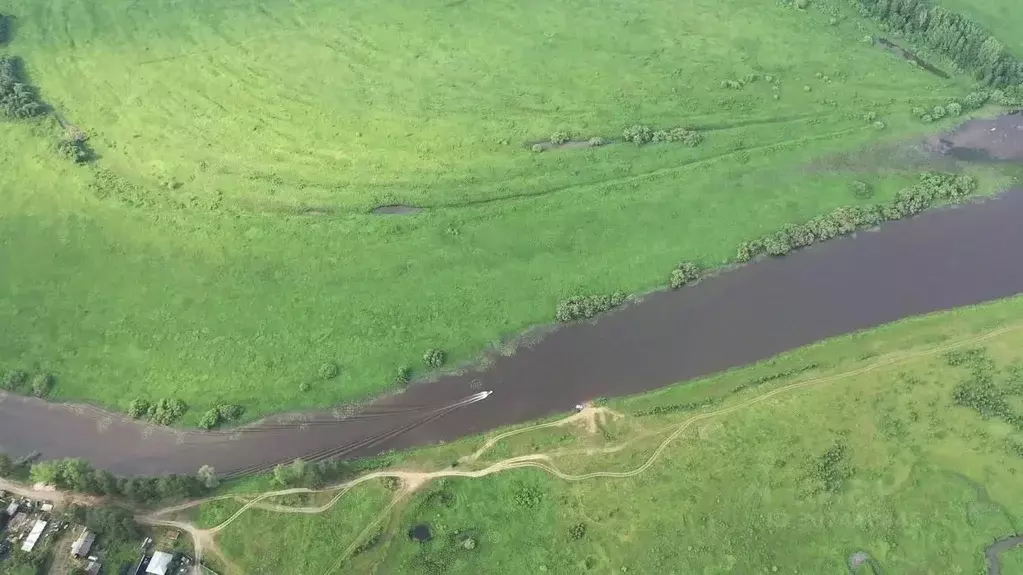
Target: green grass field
185	262
915	479
1001	17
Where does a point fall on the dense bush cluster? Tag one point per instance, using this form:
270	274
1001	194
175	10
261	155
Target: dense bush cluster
328	370
163	412
577	531
832	469
559	138
221	414
434	357
954	36
585	307
981	392
641	134
686	273
847	219
17	98
75	148
77	475
18	381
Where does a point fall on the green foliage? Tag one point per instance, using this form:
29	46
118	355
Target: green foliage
434	357
138	408
577	531
528	496
862	190
975	100
6	465
758	381
42	383
17	98
166	411
585	307
558	138
667	408
14	380
844	220
75	149
207	475
210	419
638	134
112	523
955	109
686	273
830	471
329	370
403	376
596	142
954	36
537	148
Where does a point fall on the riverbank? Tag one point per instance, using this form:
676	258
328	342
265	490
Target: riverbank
932	262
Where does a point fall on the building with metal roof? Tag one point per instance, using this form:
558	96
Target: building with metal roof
81	546
159	564
34	535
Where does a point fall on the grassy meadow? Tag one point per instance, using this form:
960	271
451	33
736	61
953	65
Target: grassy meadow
219	249
900	461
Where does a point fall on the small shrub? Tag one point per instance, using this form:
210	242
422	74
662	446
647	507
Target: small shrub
468	543
585	307
938	112
685	273
41	384
391	483
138	408
660	136
638	134
807	89
528	496
230	412
879	125
862	190
731	85
14	380
802	4
537	148
954	109
975	100
17	98
596	142
577	531
434	358
210	419
870	116
777	244
927	118
329	370
832	469
403	376
304	386
919	112
558	138
166	411
74	149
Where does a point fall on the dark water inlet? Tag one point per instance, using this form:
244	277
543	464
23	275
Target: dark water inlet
993	552
939	260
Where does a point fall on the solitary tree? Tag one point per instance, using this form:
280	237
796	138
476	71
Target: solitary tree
208	476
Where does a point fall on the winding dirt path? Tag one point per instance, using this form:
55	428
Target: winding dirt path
413	480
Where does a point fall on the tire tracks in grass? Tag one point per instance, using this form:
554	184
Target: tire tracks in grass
413	480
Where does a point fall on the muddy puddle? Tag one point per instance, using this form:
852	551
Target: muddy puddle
910	57
939	260
397	210
997	139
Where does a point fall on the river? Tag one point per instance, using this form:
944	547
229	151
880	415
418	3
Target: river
942	259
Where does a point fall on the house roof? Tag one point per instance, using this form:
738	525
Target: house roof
159	564
84	542
33	536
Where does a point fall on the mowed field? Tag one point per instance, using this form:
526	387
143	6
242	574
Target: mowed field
872	445
220	248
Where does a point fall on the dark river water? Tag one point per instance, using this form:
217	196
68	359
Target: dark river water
942	259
